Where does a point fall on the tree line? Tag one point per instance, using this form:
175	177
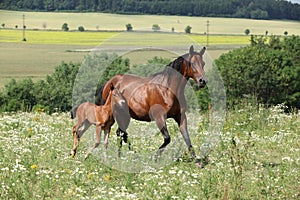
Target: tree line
254	9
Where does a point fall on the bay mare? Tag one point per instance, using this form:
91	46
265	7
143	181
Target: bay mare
161	96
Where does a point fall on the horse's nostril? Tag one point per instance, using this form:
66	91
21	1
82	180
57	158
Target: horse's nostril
202	81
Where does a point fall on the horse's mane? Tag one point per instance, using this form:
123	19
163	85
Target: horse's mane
168	72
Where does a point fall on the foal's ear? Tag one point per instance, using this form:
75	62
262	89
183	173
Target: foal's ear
191	50
202	51
123	91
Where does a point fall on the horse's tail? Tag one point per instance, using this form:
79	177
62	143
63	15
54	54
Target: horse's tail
73	112
98	95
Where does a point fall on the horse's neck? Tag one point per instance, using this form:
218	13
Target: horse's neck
177	82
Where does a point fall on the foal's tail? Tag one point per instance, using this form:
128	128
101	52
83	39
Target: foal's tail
73	112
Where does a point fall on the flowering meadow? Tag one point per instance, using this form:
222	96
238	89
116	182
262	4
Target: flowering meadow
257	157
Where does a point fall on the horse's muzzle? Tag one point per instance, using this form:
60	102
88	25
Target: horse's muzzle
202	82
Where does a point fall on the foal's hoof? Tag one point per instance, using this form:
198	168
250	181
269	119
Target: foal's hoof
72	154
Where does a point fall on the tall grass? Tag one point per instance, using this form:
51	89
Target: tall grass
257	157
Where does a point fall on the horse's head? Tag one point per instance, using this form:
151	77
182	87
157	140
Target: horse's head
196	67
117	98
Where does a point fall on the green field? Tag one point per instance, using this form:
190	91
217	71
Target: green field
257	157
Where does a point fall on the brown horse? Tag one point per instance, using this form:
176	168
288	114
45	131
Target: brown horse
161	95
102	116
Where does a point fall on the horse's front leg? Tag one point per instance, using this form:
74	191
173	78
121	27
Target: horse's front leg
184	132
97	141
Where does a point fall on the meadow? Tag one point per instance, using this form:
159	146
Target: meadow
256	157
257	151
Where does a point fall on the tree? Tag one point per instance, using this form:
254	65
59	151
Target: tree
155	27
65	27
129	27
188	29
247	31
81	28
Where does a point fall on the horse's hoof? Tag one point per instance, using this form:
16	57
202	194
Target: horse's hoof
202	162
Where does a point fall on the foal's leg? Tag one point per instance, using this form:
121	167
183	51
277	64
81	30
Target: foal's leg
73	152
82	128
106	135
97	141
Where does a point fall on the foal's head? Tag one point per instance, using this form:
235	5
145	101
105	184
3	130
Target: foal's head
117	98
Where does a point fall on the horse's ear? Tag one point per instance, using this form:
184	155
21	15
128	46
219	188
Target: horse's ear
202	51
118	86
123	91
191	50
112	87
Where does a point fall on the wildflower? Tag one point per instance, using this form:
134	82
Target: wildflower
34	167
107	177
89	176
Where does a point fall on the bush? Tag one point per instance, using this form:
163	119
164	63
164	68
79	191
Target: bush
81	28
129	27
65	27
188	29
155	27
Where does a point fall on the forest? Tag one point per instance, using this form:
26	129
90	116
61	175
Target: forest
253	9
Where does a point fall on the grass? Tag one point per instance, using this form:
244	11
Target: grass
257	157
